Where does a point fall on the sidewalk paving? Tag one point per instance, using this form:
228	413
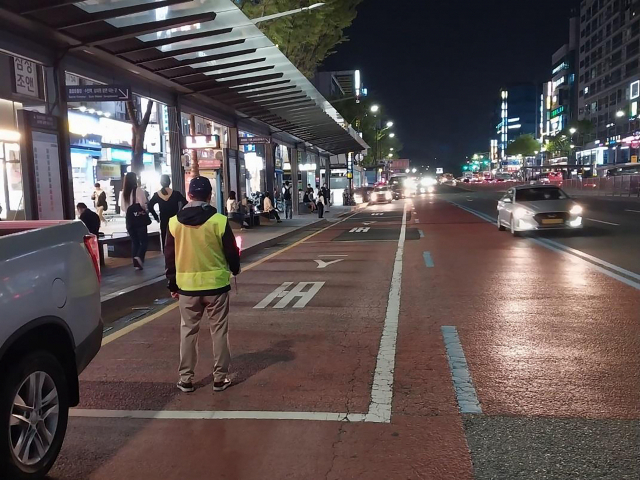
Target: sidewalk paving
122	279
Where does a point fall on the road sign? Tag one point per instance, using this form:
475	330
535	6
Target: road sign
256	140
98	93
360	230
439	171
303	291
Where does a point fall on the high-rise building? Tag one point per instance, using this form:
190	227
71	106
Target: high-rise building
609	81
559	100
516	114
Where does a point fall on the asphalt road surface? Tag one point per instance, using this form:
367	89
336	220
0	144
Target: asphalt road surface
611	226
409	341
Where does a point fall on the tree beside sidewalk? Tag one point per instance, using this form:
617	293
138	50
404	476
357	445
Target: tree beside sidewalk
525	145
139	124
307	37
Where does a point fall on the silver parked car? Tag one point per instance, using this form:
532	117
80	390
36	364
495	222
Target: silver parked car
50	329
538	207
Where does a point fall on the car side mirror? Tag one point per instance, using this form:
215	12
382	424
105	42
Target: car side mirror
507	200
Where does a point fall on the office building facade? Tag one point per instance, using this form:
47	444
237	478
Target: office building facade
609	80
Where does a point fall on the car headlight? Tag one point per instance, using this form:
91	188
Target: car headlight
576	210
388	195
358	198
519	213
431	189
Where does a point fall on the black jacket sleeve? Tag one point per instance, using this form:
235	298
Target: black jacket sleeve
170	262
151	206
181	200
231	250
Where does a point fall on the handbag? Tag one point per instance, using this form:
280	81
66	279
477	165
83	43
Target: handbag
137	216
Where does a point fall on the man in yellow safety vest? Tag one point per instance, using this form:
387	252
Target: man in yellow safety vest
201	254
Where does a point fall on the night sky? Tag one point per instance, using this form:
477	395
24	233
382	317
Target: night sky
437	66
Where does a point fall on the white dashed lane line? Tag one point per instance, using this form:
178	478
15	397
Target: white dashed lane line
460	374
602	221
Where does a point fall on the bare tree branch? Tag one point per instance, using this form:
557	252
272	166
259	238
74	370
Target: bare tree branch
133	115
147	116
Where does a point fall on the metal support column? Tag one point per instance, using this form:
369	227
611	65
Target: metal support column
295	197
270	166
176	146
56	85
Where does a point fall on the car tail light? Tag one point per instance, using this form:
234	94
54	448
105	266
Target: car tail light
91	243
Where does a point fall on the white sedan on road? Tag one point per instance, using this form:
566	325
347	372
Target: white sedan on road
537	207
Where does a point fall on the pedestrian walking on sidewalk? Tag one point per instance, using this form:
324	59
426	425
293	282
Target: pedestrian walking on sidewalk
200	255
99	198
320	204
133	203
268	207
170	203
287	196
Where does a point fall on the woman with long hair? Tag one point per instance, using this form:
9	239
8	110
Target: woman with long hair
133	204
170	202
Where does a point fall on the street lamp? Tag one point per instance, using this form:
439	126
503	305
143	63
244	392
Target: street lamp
572	130
374	108
619	114
389	124
414	170
407	170
390	155
392	135
286	14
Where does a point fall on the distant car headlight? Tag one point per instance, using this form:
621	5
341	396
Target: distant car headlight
519	213
576	210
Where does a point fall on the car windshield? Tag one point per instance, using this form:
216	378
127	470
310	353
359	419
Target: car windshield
539	194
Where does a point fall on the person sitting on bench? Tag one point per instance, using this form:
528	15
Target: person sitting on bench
268	207
233	210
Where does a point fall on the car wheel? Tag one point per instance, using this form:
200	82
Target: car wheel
500	226
514	232
34	409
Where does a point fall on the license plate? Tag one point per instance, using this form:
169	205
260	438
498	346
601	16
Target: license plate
552	221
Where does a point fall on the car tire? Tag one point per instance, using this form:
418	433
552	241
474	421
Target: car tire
500	226
43	369
514	232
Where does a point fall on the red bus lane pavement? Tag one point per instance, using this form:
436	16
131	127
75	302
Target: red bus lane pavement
552	346
313	338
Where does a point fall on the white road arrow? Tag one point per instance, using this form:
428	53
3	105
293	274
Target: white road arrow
369	223
323	264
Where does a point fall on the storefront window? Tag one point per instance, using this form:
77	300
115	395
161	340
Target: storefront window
206	147
22	87
101	140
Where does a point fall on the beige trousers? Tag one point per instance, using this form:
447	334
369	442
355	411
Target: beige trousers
192	310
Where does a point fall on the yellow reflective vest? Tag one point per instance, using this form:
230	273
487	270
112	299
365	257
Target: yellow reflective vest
199	255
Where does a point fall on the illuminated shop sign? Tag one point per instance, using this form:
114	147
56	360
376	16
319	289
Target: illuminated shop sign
562	66
557	111
202	141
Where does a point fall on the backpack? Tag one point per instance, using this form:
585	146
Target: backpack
287	193
136	215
